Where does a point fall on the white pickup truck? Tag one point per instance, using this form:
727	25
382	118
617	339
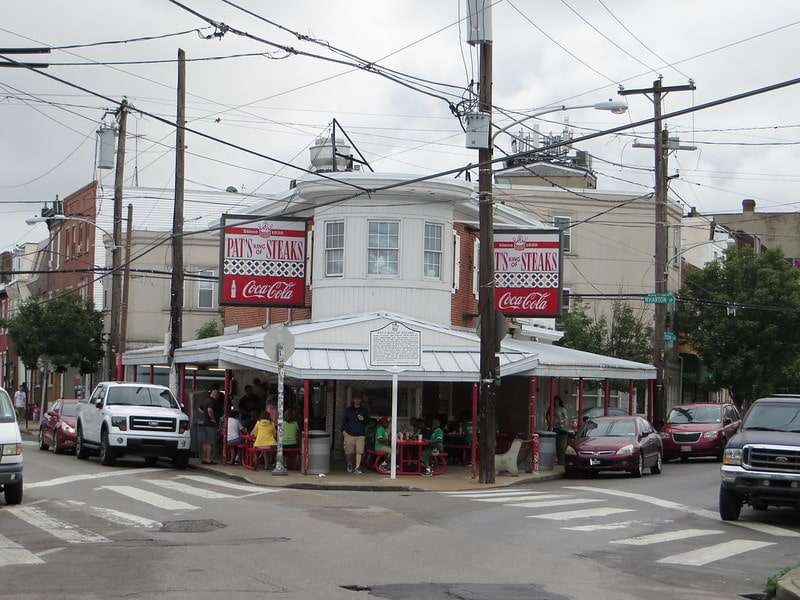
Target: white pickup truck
132	418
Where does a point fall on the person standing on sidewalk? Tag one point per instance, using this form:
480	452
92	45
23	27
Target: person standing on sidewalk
353	428
561	427
20	402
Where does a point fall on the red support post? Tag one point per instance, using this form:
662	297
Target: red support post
631	398
580	403
225	405
551	421
306	409
474	440
532	421
152	374
650	391
606	397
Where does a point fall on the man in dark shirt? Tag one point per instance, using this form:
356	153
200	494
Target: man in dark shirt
355	421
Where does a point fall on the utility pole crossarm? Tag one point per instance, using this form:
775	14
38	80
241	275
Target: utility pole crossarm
664	90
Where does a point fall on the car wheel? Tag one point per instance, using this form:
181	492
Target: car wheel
730	506
13	492
656	468
106	452
81	451
42	444
181	461
638	471
151	461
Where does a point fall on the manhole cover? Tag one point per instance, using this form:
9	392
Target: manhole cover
192	526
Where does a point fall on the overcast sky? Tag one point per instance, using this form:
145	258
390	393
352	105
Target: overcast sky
255	101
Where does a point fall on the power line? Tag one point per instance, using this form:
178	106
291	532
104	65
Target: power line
131	40
161	61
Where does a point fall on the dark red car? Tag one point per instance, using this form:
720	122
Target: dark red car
699	430
615	444
57	430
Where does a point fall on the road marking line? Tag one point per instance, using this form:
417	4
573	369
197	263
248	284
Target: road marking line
151	498
88	476
555	503
522	498
49	551
477	496
118	517
607	527
12	553
60	529
709	554
255	489
489	492
581	514
177	486
698	512
667	536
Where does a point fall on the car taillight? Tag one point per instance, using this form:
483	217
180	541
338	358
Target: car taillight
12	449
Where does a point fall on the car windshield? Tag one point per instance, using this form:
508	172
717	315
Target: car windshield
69	410
6	410
695	414
620	428
141	396
774	417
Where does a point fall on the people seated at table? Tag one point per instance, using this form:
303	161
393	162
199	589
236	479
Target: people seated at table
382	441
435	446
290	430
234	433
248	405
264	431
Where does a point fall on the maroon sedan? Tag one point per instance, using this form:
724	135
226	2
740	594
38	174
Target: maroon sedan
699	430
57	430
615	444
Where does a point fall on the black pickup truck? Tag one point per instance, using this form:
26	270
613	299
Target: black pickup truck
761	463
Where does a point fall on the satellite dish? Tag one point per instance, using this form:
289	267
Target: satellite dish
279	343
500	326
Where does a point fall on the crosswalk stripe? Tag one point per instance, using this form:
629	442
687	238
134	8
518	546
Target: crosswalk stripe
506	495
521	498
581	514
766	528
490	492
12	553
550	503
62	530
177	486
709	554
257	489
117	516
148	497
667	536
601	527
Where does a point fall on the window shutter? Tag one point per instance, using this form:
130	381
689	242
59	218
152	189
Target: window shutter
476	255
309	256
456	261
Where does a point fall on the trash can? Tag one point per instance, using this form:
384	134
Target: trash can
319	452
547	450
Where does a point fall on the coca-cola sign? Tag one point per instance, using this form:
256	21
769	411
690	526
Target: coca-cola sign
527	267
262	261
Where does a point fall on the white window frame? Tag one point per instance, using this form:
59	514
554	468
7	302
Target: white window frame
206	285
328	248
426	251
456	261
566	233
397	249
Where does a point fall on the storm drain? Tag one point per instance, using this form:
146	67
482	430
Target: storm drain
460	591
191	526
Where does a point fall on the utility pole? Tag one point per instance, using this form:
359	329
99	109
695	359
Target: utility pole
661	145
116	276
126	283
176	292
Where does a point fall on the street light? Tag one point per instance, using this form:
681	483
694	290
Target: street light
614	106
62	218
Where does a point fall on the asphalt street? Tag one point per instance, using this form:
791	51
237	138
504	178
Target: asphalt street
87	531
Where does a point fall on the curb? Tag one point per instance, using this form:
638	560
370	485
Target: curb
789	586
361	488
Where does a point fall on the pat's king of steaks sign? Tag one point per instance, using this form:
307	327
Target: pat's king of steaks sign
527	272
262	262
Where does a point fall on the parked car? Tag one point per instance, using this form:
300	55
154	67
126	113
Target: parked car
615	444
10	451
699	430
761	463
135	419
598	411
57	429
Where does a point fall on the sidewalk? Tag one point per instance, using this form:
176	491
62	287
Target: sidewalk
455	479
789	586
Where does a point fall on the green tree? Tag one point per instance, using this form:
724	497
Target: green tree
751	351
209	329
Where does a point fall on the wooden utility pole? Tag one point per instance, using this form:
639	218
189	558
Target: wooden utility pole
486	308
661	145
116	276
126	283
176	292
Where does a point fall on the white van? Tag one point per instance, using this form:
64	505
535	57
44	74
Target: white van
10	451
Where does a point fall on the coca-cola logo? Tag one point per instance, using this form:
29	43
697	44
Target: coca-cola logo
533	301
280	290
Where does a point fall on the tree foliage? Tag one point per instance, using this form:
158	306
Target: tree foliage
626	337
66	331
756	351
209	329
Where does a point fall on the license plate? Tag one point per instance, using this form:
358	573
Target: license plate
593	462
686	448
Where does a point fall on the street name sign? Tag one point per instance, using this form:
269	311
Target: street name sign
660	298
669	336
